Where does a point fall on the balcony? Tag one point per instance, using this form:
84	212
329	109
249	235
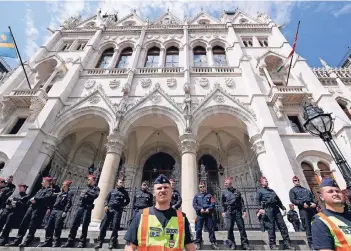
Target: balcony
105	72
289	94
216	69
22	98
160	70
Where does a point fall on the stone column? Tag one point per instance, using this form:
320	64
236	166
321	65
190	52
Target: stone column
210	57
108	175
188	148
162	58
114	59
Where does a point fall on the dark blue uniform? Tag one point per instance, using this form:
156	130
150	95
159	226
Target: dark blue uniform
33	217
270	202
204	201
83	216
176	201
57	217
293	218
142	199
15	209
115	201
298	196
233	207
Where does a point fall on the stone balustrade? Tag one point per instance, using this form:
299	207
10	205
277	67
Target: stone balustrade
290	94
97	71
22	98
215	69
160	70
326	73
207	26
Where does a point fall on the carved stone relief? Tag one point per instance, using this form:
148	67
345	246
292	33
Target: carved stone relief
89	83
156	98
230	82
203	82
94	99
171	82
114	84
219	99
146	82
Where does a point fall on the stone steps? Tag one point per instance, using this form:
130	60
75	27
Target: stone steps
257	239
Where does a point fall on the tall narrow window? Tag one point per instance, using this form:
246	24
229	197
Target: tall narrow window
343	106
18	125
153	57
81	46
247	41
200	57
263	41
124	58
105	58
66	46
219	57
295	124
172	57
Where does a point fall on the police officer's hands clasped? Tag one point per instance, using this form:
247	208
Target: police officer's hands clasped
64	214
244	214
261	211
313	205
106	209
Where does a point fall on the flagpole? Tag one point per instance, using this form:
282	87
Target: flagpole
292	56
19	56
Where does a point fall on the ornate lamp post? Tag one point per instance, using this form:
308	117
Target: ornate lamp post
321	124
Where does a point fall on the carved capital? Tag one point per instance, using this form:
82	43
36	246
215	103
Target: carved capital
49	145
7	107
257	144
188	143
115	143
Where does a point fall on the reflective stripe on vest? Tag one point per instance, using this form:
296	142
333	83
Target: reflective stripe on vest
342	239
152	236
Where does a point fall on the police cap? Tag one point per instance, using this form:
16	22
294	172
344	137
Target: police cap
22	185
162	180
2	180
328	182
47	178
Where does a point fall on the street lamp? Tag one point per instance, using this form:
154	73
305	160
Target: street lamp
321	124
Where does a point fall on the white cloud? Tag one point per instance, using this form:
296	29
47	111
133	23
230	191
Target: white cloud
32	33
346	9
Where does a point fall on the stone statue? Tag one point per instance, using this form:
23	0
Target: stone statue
263	17
203	173
187	112
98	17
324	64
71	22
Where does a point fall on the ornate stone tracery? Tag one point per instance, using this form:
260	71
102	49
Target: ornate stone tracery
115	143
188	143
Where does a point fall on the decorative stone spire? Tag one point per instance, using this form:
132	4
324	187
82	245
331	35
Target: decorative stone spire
324	64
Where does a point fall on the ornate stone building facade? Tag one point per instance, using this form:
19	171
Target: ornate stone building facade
189	98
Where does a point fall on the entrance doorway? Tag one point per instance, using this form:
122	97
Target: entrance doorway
209	164
159	163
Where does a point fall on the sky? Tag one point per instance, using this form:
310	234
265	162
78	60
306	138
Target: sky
325	30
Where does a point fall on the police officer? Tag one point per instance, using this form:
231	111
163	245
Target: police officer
306	203
16	207
293	218
57	217
11	187
162	227
115	201
331	228
56	190
54	185
142	199
34	215
233	211
3	193
176	201
83	215
204	205
269	206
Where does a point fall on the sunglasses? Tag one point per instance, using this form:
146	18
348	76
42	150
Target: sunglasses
202	186
295	180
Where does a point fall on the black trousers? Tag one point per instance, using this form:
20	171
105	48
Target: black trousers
3	217
54	226
115	216
207	220
230	219
83	216
31	221
273	218
297	226
306	215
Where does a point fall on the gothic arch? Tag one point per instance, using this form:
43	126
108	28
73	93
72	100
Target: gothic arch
218	42
239	113
61	128
199	42
133	115
208	150
125	44
3	157
311	156
172	42
152	43
105	46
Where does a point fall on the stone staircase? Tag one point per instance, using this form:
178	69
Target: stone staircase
257	239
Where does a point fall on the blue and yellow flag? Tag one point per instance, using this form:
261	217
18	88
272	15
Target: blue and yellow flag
7	46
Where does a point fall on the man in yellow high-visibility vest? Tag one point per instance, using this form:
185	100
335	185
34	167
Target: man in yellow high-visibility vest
160	228
331	228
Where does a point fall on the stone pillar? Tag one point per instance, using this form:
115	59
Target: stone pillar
162	58
188	148
108	175
209	57
113	63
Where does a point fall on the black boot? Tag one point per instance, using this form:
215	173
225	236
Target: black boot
245	247
288	247
274	247
56	242
45	244
68	244
81	244
113	243
26	242
99	243
198	246
15	243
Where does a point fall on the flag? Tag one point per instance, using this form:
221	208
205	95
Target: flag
7	45
292	51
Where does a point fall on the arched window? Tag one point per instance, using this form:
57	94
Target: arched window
123	61
219	57
172	57
325	170
153	57
105	58
200	57
343	106
2	165
311	178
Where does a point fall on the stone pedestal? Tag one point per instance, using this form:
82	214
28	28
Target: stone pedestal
188	148
108	176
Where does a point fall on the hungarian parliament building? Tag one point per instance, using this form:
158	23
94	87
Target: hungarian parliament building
196	99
